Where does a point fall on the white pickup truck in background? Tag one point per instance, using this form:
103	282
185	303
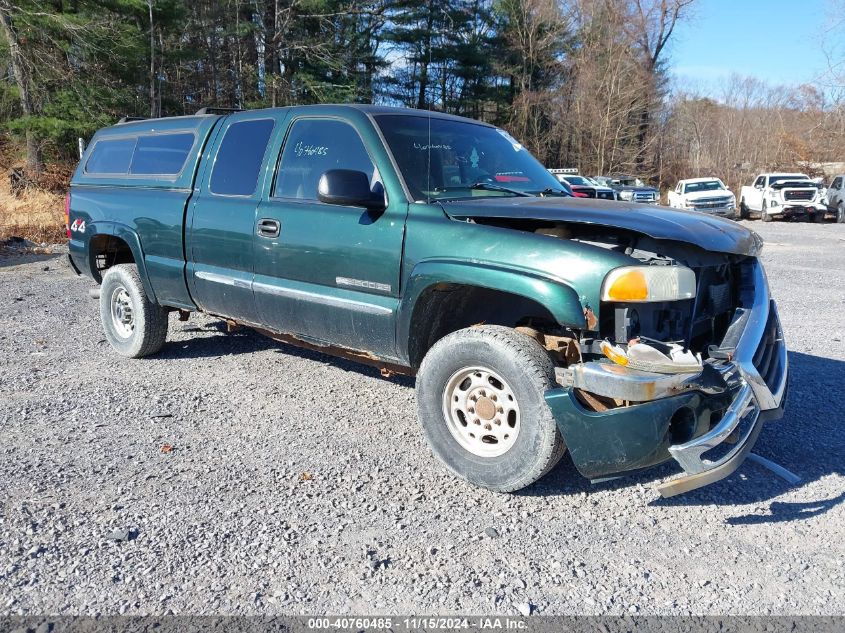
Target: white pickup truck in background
782	196
708	195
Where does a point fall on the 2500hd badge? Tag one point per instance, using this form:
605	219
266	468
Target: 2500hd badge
536	324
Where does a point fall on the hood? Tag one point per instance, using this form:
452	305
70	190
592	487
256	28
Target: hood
661	223
713	193
794	184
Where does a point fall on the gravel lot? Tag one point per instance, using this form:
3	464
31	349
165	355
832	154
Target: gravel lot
298	483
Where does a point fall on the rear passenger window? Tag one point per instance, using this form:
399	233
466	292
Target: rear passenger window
313	147
239	158
163	154
111	156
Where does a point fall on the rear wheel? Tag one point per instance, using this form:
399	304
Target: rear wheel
764	213
743	210
133	325
480	398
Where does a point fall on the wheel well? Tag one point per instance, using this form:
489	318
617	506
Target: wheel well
107	251
446	308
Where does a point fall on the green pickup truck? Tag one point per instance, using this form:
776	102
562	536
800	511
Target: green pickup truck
436	246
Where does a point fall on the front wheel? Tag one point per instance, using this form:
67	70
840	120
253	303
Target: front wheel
480	399
818	217
743	210
133	325
840	213
764	214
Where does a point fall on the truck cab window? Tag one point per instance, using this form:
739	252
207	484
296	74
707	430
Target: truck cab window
111	156
239	158
313	147
163	154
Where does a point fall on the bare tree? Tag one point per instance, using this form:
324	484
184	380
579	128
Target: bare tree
650	24
20	70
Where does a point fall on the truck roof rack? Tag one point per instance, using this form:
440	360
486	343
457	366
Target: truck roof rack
129	119
564	170
216	110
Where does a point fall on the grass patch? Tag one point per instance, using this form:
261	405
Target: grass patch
36	214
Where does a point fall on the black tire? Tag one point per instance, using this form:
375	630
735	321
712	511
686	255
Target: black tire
764	214
818	217
743	210
134	326
840	213
527	371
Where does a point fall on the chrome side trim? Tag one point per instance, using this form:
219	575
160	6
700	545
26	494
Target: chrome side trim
294	293
362	283
336	302
222	279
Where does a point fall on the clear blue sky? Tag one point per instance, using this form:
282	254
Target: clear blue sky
778	41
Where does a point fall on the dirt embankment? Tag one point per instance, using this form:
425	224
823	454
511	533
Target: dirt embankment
33	208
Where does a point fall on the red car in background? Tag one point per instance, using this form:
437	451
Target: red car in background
581	186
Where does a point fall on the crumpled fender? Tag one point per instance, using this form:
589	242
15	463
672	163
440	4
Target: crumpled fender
559	299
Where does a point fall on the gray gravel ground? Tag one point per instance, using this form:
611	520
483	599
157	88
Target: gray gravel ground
301	484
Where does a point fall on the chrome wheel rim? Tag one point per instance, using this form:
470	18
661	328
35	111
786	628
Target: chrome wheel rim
122	312
481	411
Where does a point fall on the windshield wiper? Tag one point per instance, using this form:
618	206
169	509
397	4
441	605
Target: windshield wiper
494	187
563	193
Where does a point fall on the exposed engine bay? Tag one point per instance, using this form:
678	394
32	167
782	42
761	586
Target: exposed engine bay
659	336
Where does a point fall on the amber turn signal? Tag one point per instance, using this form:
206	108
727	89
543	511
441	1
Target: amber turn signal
629	286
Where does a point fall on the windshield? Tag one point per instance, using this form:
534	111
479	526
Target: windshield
792	177
630	181
579	181
708	185
461	160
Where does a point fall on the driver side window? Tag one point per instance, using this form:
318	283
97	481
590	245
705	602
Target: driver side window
759	182
314	146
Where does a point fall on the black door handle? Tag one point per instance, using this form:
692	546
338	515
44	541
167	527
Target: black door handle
269	228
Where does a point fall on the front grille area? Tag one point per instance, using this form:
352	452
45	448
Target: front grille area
712	203
606	195
767	357
587	191
799	194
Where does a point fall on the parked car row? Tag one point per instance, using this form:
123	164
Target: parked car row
628	188
773	195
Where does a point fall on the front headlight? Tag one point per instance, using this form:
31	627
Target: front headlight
626	195
648	283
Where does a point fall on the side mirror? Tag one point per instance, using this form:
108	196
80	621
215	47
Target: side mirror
349	188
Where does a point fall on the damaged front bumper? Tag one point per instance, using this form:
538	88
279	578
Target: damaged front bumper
706	422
